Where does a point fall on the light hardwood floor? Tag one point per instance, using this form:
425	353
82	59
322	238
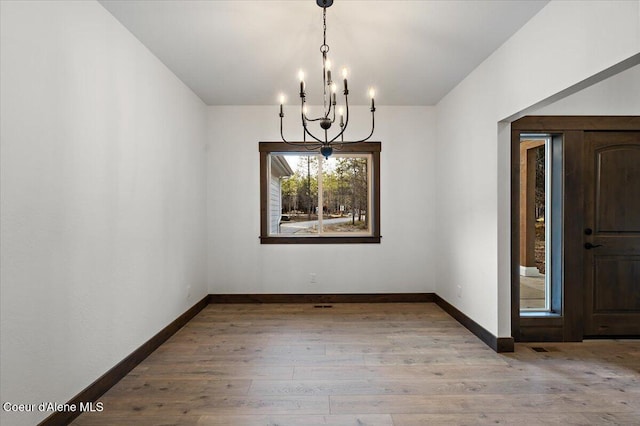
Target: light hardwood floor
367	364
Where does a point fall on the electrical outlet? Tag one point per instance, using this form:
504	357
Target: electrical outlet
459	291
313	278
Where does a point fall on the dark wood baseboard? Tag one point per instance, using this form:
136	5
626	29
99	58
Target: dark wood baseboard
105	382
498	344
324	298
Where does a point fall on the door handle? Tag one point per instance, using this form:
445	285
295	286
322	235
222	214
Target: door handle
590	246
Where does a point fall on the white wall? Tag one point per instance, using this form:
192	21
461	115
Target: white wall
103	187
403	262
563	45
617	95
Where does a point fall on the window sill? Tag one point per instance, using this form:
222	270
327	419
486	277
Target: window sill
539	314
320	240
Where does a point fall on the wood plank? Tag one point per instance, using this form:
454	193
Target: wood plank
288	420
250	348
472	386
532	403
159	388
284	359
288	364
450	371
609	418
223	405
219	372
491	419
109	418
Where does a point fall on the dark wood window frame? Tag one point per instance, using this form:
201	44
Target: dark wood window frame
371	148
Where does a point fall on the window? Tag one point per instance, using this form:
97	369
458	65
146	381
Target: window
540	223
306	198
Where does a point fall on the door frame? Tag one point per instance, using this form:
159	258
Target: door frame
567	326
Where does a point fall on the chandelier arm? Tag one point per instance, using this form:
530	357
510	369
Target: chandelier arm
324	84
309	146
305	115
313	119
304	126
332	104
282	131
346	121
313	136
373	126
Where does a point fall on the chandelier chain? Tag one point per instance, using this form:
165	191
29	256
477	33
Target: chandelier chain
324	26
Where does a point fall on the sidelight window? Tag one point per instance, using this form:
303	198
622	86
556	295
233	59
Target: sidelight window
540	223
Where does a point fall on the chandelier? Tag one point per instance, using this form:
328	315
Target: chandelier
326	142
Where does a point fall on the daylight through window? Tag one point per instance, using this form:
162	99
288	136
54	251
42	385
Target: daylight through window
307	198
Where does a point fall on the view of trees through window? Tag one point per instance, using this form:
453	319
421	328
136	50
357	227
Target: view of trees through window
324	196
540	204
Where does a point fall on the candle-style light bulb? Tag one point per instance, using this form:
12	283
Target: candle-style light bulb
344	76
301	77
327	66
304	110
341	113
282	99
334	88
372	94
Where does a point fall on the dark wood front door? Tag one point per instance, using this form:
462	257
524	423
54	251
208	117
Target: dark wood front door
612	233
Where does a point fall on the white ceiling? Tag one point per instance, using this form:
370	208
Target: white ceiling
247	52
